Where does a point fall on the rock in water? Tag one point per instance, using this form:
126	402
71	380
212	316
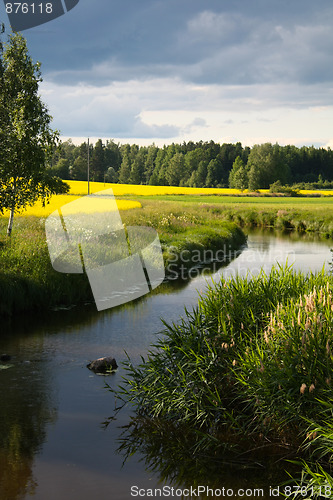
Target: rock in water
5	357
103	365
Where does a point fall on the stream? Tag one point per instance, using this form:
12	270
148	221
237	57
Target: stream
53	444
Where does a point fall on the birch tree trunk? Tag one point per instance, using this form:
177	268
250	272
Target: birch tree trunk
10	223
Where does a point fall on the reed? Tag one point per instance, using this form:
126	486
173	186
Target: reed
250	367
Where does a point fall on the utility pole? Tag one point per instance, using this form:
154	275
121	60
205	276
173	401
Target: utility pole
88	166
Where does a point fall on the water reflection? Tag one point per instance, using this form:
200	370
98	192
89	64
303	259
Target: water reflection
176	455
87	315
305	252
27	407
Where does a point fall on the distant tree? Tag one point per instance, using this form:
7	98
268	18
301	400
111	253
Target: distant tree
83	151
238	177
136	173
192	162
125	149
201	174
61	169
198	177
266	165
158	161
111	175
212	169
112	155
79	170
170	152
27	141
68	150
213	173
150	162
97	163
162	160
175	169
134	149
292	157
153	180
255	179
227	155
138	167
125	170
212	150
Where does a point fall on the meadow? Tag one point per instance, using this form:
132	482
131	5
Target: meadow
28	281
312	215
162	205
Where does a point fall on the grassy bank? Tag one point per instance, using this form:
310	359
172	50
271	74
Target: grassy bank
28	281
189	236
249	369
313	215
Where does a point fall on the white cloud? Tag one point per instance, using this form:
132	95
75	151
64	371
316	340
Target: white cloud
209	26
167	110
221	72
329	144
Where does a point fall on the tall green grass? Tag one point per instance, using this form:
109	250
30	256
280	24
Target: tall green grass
27	280
292	214
250	367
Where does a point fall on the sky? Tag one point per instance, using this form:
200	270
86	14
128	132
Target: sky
163	71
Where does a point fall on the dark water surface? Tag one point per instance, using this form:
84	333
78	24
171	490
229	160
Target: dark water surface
53	445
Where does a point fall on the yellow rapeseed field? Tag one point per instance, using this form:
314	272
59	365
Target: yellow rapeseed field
59	200
324	192
81	187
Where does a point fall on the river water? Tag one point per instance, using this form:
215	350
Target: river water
53	444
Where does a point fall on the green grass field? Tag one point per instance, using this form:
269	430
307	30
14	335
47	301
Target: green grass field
313	215
249	200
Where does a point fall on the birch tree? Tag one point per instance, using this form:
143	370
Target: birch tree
26	139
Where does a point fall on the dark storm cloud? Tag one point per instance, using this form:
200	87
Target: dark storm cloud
206	41
111	66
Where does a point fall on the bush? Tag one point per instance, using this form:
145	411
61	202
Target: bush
277	187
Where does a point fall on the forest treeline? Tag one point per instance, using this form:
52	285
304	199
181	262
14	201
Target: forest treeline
200	164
